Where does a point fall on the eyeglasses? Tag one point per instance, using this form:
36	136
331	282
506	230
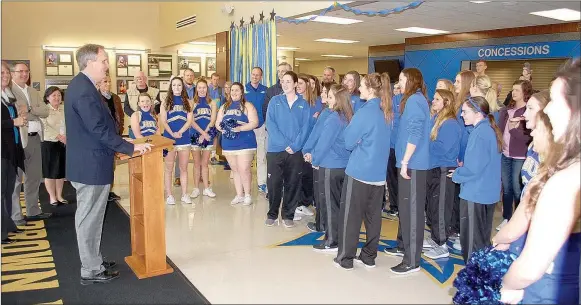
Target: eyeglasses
22	71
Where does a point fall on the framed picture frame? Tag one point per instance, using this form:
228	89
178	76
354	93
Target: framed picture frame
194	63
58	63
159	65
127	65
210	66
122	86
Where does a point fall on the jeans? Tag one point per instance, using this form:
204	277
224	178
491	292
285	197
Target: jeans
511	184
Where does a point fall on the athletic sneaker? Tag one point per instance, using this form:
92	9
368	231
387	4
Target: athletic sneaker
195	193
457	245
297	217
437	252
312	227
262	188
208	192
271	222
336	262
404	268
304	210
288	223
170	200
429	243
392	212
247	200
453	237
186	199
361	262
322	247
502	224
237	199
393	251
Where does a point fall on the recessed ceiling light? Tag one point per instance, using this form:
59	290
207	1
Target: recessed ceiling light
331	19
203	43
301	59
336	40
422	30
479	2
287	48
339	56
563	14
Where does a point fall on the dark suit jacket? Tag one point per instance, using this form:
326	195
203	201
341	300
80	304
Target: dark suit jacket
11	151
273	90
92	138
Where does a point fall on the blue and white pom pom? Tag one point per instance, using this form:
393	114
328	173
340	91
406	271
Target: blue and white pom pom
213	132
480	281
227	126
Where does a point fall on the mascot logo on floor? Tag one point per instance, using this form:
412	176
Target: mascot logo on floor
442	270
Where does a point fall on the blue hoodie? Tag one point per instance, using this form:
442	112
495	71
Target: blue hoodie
330	152
396	101
445	148
256	97
287	127
316	131
368	137
356	102
316	108
479	177
414	128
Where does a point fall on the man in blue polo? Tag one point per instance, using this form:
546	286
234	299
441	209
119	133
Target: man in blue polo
255	92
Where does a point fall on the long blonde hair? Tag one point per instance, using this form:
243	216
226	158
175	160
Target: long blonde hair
447	112
484	85
381	86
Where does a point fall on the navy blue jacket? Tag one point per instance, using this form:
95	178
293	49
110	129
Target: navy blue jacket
368	136
92	138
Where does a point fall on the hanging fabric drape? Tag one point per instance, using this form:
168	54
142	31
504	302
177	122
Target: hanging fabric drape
253	45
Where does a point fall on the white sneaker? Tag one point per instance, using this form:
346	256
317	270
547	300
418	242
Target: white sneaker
297	217
304	210
429	243
170	200
457	245
502	224
195	193
237	200
247	200
437	252
208	192
186	199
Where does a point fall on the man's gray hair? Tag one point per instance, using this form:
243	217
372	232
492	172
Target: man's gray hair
86	53
12	65
284	63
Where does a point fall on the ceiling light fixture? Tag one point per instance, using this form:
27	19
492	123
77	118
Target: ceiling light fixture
336	40
338	56
331	19
563	14
479	2
287	48
419	30
203	43
301	59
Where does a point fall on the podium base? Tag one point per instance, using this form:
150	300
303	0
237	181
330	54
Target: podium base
137	264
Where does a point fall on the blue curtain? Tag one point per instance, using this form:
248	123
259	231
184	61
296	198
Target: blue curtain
253	45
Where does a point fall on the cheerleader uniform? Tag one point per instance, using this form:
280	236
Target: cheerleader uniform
147	124
440	189
479	180
414	128
176	119
308	149
368	137
202	117
245	142
330	155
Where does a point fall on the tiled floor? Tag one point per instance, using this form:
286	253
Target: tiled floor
231	257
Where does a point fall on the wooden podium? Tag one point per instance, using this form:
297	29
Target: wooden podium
148	209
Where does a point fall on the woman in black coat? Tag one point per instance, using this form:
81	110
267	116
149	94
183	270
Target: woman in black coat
12	153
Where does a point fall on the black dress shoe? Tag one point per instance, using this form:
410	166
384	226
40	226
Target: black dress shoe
7	241
101	278
113	196
40	216
109	265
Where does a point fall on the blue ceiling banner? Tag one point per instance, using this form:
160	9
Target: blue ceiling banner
355	11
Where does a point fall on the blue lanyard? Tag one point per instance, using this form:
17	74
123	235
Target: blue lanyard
12	111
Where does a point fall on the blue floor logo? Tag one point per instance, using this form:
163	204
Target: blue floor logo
442	270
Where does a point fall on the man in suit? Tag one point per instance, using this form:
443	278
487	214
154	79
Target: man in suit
31	135
92	141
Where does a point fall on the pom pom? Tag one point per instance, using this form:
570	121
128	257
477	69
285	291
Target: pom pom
213	132
480	281
227	126
165	151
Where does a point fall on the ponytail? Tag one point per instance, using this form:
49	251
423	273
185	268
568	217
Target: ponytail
496	132
386	97
491	97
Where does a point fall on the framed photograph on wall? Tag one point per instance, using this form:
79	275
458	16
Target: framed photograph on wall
58	63
210	65
194	63
127	64
159	65
122	86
